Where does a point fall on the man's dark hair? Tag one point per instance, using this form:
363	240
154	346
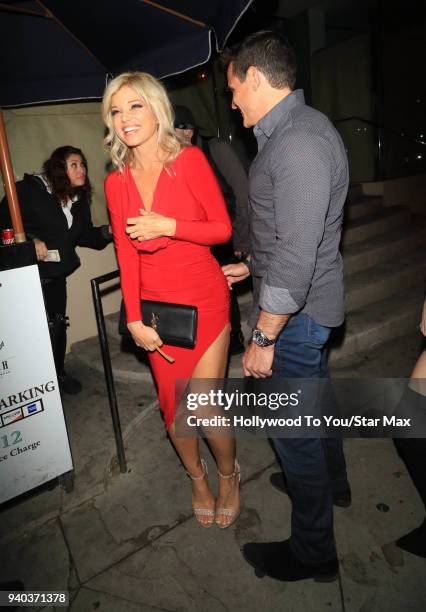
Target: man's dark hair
184	119
270	53
55	170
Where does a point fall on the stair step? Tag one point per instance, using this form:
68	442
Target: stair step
129	364
367	284
111	325
376	224
394	358
384	279
366	328
375	250
362	207
362	190
355	192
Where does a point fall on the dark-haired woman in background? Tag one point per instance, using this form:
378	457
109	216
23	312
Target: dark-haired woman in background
56	213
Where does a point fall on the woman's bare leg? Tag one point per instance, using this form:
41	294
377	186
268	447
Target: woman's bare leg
418	376
189	453
211	365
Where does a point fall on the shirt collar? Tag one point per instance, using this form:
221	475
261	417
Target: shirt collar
268	123
45	182
68	202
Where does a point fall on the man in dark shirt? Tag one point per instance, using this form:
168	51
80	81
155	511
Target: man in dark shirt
233	182
297	187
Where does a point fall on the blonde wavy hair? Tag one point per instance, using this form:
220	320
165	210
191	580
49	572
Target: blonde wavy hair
154	95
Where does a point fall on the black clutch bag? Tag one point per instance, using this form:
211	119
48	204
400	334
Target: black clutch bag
176	324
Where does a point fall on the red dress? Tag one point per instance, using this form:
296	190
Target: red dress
179	269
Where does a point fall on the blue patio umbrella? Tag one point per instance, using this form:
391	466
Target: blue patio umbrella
55	50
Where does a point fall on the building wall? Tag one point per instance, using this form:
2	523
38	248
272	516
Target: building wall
33	133
341	87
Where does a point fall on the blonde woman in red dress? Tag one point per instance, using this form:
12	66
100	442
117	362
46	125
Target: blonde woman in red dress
166	210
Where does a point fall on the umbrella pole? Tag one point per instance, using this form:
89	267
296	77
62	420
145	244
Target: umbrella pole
9	184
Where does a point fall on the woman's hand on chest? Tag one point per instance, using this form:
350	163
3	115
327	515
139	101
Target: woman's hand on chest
150	225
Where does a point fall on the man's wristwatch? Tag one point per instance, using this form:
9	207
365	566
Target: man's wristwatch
261	339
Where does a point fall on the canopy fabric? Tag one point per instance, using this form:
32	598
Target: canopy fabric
70	49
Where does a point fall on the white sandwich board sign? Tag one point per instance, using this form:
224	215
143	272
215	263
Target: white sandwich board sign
34	445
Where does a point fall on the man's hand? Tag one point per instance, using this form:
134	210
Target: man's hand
235	273
257	360
150	225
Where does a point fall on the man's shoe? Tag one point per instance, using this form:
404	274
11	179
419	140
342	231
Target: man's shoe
68	384
343	499
11	586
277	560
415	541
236	345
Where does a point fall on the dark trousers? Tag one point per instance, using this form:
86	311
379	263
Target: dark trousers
55	299
413	452
313	467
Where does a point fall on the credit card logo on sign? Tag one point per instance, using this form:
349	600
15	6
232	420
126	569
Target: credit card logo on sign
30	409
21	413
12	416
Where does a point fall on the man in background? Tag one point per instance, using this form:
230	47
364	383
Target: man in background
233	182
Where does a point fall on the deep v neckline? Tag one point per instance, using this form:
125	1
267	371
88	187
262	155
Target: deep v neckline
154	193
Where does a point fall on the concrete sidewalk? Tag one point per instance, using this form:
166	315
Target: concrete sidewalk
128	542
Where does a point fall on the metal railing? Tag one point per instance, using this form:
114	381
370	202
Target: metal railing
106	360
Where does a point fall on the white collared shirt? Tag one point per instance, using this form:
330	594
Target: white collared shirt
66	206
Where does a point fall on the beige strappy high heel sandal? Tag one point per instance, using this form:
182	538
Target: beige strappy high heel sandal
202	511
231	512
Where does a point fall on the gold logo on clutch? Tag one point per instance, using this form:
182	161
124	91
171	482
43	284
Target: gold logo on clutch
154	320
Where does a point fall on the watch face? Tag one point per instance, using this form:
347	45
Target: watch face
256	337
260	339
